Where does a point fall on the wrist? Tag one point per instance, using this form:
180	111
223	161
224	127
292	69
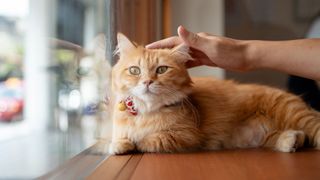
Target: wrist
251	54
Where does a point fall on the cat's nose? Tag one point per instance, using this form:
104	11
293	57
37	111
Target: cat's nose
147	82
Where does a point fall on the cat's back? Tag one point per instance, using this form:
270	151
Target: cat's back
215	90
225	99
211	87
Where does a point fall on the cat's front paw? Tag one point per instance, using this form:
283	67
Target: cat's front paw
121	146
290	140
156	143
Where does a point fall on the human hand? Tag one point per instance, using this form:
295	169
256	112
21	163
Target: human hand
209	50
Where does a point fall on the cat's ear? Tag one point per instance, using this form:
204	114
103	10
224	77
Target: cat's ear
181	52
124	44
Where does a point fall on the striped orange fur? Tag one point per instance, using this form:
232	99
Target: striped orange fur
177	113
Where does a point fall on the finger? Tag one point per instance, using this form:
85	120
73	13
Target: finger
204	34
192	39
195	53
193	63
199	62
165	43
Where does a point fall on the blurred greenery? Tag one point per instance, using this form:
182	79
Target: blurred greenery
11	55
65	56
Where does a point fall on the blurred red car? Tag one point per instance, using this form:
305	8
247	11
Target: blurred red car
11	99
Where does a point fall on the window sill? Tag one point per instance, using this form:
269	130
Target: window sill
225	164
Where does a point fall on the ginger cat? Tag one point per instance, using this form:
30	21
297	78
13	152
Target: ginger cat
157	107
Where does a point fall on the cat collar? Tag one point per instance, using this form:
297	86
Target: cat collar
128	105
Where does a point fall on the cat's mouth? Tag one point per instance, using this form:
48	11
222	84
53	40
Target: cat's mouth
148	91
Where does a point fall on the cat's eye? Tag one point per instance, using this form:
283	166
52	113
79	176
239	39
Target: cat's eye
134	70
161	69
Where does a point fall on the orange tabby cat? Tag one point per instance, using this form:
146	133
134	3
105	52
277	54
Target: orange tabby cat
157	107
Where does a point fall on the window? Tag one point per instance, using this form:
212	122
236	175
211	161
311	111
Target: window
50	86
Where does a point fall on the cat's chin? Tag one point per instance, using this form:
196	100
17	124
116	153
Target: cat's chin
148	99
150	102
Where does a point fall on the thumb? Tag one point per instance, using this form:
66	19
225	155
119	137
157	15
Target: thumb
191	39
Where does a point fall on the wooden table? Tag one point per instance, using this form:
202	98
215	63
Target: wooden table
228	164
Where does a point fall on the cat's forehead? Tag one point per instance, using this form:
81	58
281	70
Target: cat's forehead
150	55
146	56
153	54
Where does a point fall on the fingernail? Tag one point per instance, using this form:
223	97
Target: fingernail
183	32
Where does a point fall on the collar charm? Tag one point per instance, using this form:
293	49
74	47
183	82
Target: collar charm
128	105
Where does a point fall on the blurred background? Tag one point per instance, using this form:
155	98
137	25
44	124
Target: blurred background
52	82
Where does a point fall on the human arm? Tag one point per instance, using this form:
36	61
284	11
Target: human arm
298	57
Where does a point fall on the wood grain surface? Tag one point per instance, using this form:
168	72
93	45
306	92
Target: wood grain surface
79	167
228	164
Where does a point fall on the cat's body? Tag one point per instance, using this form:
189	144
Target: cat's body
244	116
176	114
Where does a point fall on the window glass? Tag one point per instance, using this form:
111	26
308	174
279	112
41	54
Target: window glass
53	80
12	34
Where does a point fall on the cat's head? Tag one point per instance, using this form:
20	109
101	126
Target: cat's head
156	77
